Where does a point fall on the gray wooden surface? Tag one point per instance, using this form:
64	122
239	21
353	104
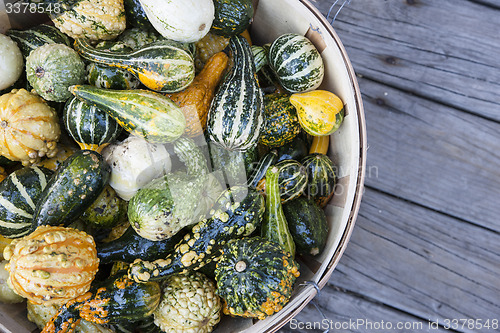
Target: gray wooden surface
425	251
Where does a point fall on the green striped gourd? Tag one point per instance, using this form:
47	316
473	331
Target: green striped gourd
292	180
296	62
320	177
275	225
30	39
163	66
235	117
103	76
143	113
89	126
19	195
259	57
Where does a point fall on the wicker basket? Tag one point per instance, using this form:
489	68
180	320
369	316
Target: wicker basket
347	150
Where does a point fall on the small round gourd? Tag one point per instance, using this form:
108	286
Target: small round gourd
52	265
52	68
89	126
281	124
321	178
255	277
189	304
29	128
19	194
296	62
292	180
11	65
320	112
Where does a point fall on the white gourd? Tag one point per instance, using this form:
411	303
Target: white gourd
11	62
134	163
185	21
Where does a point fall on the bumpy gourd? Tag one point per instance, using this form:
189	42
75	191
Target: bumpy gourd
29	128
195	100
189	303
92	19
107	211
52	68
7	295
320	112
207	47
255	277
52	265
63	152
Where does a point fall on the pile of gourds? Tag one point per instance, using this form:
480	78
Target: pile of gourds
157	168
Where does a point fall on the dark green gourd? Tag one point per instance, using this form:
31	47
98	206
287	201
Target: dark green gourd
116	300
131	246
237	213
232	17
321	178
72	189
163	66
19	194
235	116
307	224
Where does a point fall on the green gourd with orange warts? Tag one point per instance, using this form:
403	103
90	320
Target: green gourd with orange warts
116	300
281	124
255	277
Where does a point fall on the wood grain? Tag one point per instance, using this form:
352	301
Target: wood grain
444	50
433	155
421	262
346	312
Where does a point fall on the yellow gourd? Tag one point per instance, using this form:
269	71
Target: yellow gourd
63	152
195	100
52	265
320	112
29	128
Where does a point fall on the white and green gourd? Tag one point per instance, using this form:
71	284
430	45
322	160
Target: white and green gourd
296	62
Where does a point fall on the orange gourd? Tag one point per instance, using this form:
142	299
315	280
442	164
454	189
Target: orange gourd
3	174
195	100
52	265
29	128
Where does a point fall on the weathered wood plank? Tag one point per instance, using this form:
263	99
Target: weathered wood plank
445	50
421	262
433	155
345	312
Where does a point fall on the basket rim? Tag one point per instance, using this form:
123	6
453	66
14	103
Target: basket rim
356	203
